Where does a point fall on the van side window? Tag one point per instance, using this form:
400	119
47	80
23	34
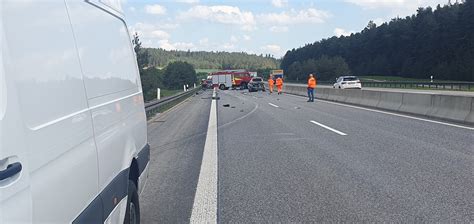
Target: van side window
42	59
105	50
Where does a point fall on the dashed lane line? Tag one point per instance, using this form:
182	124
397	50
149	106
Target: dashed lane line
329	128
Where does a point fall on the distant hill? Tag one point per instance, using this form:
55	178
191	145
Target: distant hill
438	42
212	60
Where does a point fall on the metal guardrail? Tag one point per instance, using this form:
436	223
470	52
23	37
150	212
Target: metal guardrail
459	86
155	105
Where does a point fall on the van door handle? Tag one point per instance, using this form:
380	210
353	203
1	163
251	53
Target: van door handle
10	171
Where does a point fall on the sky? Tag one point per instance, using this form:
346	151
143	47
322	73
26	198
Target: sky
256	26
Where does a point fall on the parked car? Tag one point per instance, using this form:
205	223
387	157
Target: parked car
73	129
347	82
256	84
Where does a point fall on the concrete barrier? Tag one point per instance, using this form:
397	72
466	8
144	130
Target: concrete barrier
321	93
370	98
353	96
456	108
415	103
446	107
390	101
470	116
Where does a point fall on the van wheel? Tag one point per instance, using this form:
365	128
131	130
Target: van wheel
222	87
132	216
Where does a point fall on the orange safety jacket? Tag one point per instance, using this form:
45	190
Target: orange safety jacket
279	82
312	83
271	82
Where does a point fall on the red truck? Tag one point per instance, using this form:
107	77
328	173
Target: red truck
231	79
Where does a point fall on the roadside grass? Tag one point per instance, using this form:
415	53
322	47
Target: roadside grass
206	70
169	92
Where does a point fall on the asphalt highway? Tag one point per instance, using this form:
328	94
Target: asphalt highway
282	159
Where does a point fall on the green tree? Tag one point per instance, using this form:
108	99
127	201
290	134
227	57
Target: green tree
152	79
179	73
438	42
142	54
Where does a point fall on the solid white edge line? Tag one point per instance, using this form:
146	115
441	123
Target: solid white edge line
329	128
273	105
205	201
395	114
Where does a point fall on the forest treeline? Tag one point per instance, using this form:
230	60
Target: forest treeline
211	60
438	42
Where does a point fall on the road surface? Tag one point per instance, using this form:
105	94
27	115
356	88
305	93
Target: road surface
281	159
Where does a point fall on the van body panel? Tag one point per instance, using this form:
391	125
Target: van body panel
15	192
117	109
55	122
71	112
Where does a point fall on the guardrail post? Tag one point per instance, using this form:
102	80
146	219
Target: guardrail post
158	93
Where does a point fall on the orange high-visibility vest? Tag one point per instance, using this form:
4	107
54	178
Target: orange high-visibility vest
279	82
312	83
271	82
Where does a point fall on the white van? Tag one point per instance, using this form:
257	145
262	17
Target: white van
73	134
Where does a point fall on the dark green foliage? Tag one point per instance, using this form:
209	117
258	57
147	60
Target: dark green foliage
152	79
436	42
325	68
264	72
142	55
212	60
179	73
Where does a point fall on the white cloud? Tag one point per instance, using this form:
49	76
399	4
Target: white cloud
397	6
151	31
155	9
371	4
228	46
273	49
222	14
187	1
160	34
379	21
279	29
279	3
167	45
341	32
234	39
246	37
204	41
310	15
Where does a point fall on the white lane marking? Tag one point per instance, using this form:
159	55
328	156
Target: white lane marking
404	116
395	114
205	200
329	128
273	105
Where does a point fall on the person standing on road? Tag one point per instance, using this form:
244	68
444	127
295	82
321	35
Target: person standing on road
271	82
311	87
279	84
